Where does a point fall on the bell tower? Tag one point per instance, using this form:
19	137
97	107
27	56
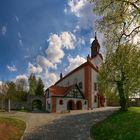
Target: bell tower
95	47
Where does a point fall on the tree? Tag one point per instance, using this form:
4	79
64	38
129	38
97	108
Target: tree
22	83
121	72
32	84
118	20
22	88
3	91
11	93
40	87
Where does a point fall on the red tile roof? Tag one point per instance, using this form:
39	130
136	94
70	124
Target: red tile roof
57	90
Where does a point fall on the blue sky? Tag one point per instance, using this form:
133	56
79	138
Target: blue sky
45	37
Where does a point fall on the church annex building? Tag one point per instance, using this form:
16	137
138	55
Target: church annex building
78	89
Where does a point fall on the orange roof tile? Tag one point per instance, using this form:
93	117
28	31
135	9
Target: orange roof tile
57	90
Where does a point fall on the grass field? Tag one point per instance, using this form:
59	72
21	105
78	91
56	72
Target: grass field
119	126
11	129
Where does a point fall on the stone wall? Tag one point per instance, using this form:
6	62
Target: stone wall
18	105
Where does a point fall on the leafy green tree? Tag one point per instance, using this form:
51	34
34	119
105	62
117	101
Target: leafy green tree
3	91
40	87
118	20
121	72
22	83
32	84
11	93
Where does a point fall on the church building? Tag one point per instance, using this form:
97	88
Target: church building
78	89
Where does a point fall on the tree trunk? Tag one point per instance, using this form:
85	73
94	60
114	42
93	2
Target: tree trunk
123	99
9	105
2	104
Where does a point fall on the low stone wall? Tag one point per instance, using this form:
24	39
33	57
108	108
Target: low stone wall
18	105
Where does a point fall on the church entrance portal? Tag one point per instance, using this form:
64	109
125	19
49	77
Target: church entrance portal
70	105
79	105
37	105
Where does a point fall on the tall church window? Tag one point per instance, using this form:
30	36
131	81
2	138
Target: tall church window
95	98
80	85
95	86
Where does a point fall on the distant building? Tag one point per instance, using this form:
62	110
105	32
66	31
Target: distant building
78	89
134	100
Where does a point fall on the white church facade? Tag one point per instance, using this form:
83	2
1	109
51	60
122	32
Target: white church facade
78	89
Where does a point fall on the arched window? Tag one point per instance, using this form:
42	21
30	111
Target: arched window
85	102
95	98
61	102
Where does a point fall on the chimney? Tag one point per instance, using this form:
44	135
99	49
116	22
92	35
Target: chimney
88	58
61	76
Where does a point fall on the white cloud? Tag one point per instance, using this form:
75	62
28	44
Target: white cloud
21	77
33	69
83	10
54	54
4	30
19	34
12	68
81	41
74	62
67	39
56	45
49	78
54	51
76	6
0	83
45	63
77	28
26	56
91	40
65	10
20	42
17	19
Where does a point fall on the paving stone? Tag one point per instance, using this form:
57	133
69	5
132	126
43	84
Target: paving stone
68	126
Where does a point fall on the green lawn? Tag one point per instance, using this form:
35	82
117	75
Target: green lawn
11	129
119	126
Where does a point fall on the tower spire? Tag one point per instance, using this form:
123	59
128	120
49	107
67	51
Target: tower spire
95	47
95	36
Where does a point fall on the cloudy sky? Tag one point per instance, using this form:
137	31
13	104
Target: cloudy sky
44	37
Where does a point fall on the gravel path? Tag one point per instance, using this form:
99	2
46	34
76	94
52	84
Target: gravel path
67	126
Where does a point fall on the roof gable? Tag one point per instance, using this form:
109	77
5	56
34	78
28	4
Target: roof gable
68	92
88	63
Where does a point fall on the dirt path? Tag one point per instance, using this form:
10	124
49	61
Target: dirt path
68	126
